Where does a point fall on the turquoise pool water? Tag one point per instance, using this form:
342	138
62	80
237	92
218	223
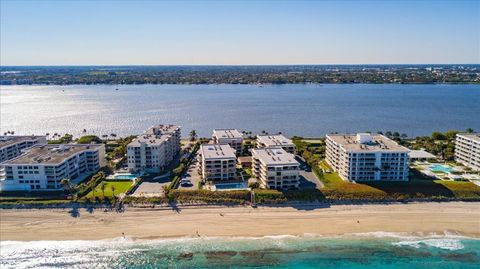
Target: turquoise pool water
125	177
228	186
441	168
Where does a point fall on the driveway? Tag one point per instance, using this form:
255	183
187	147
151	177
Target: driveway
308	179
191	175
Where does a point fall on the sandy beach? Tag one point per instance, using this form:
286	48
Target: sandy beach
418	218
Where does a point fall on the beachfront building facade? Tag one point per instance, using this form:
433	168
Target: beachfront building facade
366	157
275	168
217	162
275	141
42	167
228	136
12	146
155	149
467	150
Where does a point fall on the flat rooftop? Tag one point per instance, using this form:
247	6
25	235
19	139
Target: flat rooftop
227	133
376	144
216	151
149	139
274	156
421	154
50	154
8	140
473	136
274	140
162	129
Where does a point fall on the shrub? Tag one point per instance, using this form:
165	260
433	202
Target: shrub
88	139
189	196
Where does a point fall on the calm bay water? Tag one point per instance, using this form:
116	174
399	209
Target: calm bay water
307	110
265	252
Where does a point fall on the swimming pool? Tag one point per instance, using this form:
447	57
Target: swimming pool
231	186
441	168
124	176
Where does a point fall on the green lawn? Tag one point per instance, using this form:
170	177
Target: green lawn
120	187
419	186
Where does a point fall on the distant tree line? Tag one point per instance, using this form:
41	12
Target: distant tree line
241	74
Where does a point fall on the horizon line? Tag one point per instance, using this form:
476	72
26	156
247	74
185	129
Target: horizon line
113	65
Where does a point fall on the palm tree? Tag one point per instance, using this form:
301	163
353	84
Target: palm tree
193	135
103	186
65	182
112	188
165	189
469	130
113	135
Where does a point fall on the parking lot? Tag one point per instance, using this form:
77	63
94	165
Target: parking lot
153	187
191	176
308	179
150	189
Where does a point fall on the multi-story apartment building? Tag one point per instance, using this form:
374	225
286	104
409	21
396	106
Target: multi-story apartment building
275	168
467	150
42	167
155	149
366	157
275	141
12	146
217	162
228	136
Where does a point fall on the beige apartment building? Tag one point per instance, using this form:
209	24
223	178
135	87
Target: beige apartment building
366	157
155	149
42	167
217	162
275	141
228	136
275	168
467	150
12	146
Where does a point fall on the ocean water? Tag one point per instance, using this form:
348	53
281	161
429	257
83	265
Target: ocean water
308	110
377	250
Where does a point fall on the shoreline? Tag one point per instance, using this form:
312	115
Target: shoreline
413	219
256	84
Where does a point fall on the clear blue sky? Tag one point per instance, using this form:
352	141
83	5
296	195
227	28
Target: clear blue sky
235	32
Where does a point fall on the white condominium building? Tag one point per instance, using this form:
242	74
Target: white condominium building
366	157
467	150
275	141
217	162
12	146
42	167
155	149
275	168
228	136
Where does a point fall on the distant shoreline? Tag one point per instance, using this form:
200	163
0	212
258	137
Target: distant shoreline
243	74
255	84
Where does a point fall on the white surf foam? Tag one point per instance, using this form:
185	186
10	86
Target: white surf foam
447	244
